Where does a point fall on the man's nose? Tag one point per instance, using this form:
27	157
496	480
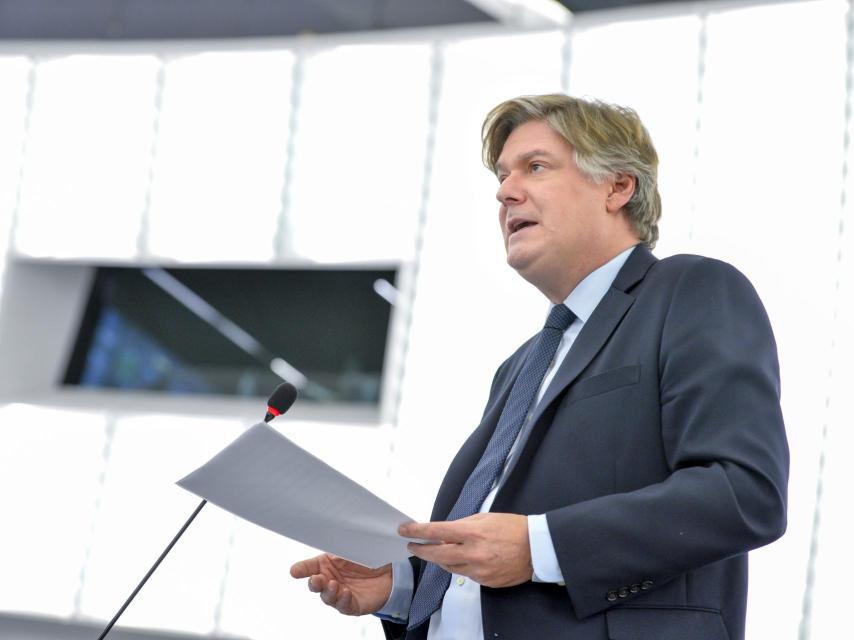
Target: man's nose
509	191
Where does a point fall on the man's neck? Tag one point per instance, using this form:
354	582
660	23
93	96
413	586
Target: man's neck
559	290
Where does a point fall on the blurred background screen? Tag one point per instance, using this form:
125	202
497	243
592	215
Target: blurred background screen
235	331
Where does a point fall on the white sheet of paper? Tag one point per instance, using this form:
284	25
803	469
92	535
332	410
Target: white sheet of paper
265	478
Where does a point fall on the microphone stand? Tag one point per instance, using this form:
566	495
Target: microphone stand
281	400
150	571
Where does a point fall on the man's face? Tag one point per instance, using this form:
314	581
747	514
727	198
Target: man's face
553	218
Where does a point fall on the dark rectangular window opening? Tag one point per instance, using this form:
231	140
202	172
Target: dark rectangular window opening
236	332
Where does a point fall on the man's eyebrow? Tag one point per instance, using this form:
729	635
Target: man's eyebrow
525	157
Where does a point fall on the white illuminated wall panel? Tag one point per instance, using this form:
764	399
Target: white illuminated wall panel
51	463
14	78
832	567
770	159
833	564
471	310
261	600
87	159
359	153
652	67
220	159
141	509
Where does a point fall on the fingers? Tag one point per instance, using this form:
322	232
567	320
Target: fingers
332	594
306	568
453	558
445	555
345	602
490	548
329	594
331	591
441	531
317	583
450	552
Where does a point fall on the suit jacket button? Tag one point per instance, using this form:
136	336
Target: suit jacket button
634	588
623	592
612	595
646	584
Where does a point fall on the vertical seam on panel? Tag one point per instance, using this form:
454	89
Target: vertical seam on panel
106	452
142	245
566	56
282	244
28	110
436	77
226	573
702	52
804	628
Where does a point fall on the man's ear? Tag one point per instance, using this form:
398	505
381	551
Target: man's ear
622	188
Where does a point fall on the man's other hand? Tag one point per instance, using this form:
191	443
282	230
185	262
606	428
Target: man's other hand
350	588
490	548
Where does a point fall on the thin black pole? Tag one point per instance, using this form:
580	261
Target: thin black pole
150	571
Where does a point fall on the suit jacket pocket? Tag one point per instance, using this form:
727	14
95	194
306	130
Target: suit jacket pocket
664	623
604	382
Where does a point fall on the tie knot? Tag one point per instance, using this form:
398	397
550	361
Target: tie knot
560	317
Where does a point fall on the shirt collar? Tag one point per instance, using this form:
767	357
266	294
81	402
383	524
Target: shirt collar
590	291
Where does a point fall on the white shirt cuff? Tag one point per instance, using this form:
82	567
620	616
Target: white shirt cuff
543	557
396	608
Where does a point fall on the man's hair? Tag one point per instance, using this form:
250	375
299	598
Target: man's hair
607	139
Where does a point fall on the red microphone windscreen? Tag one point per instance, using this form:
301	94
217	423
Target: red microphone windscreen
282	398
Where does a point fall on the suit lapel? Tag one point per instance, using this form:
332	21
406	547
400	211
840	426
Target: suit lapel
637	264
599	327
592	338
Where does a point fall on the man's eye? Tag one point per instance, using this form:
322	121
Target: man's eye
536	166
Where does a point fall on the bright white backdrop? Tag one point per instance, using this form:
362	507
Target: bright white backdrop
365	150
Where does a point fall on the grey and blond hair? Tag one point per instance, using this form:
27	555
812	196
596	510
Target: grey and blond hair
607	139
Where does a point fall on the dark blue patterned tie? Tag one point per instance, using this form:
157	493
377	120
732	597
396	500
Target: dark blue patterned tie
433	584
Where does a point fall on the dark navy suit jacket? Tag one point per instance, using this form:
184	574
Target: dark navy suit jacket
658	455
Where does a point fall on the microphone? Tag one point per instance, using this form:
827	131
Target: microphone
279	402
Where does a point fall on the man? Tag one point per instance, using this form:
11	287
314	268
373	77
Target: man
630	454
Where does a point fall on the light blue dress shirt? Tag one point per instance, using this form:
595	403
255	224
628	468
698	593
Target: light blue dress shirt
459	617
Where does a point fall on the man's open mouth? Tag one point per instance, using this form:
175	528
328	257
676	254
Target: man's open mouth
518	226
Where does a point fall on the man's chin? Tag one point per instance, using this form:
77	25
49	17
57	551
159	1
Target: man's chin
534	272
520	261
